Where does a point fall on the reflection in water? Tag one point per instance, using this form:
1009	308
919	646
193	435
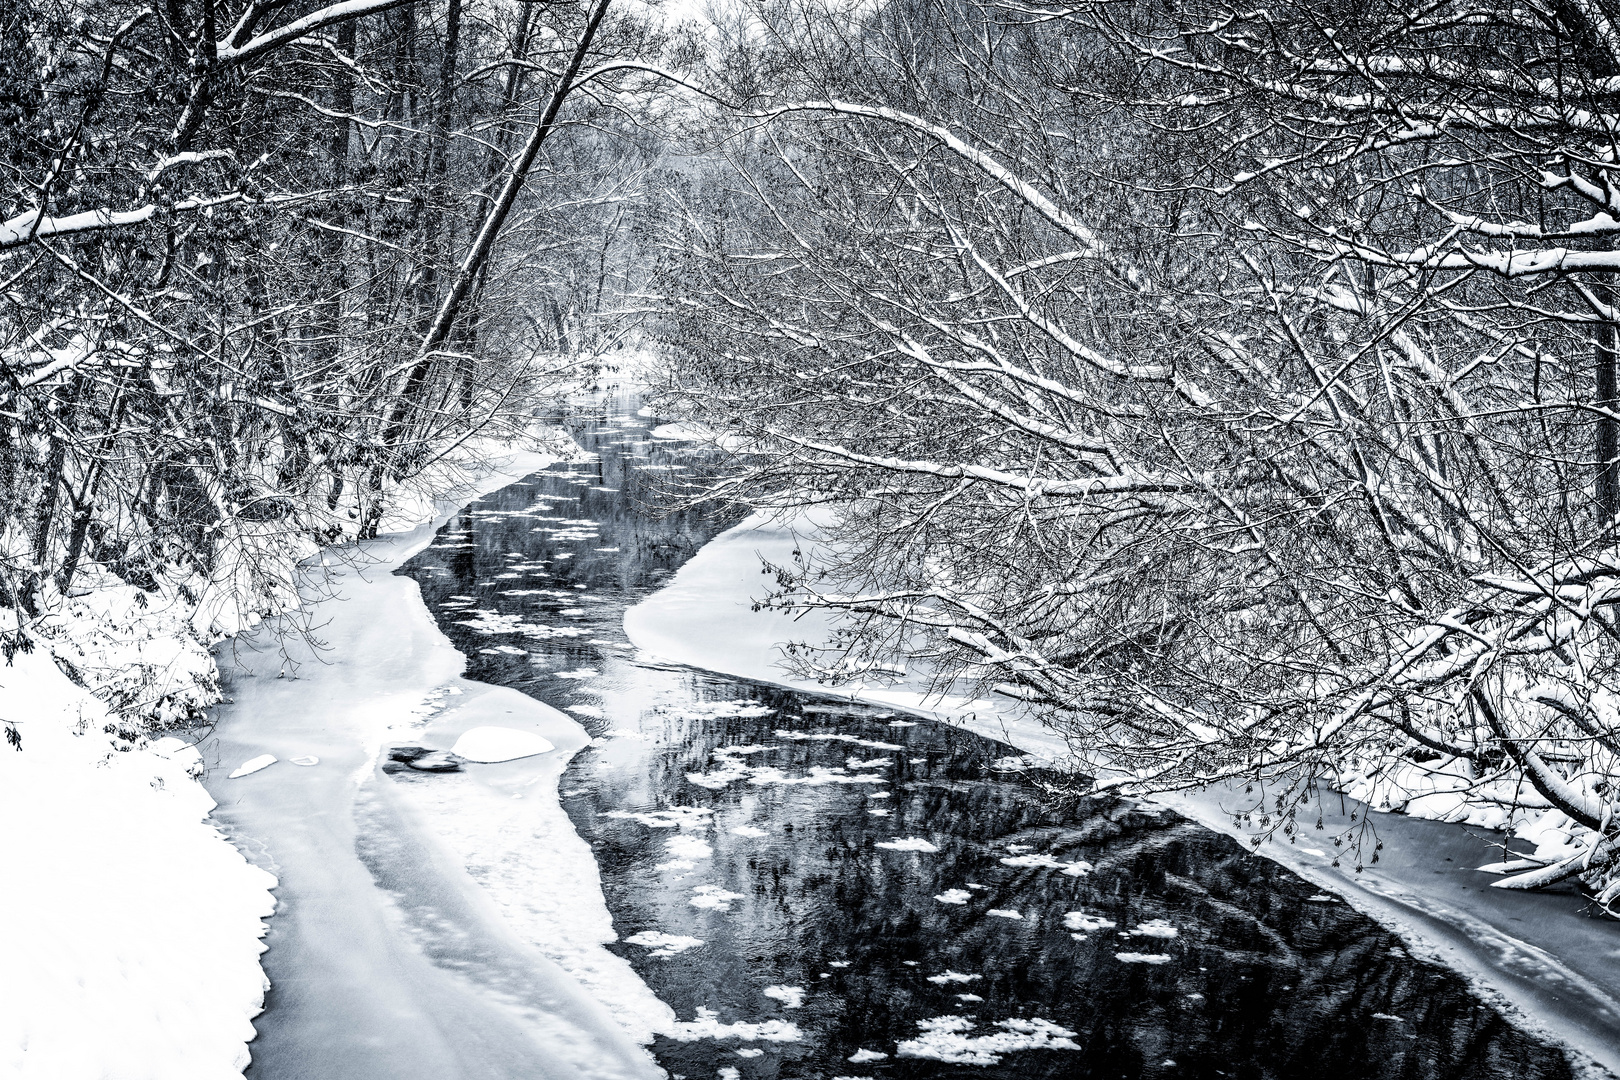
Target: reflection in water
833	891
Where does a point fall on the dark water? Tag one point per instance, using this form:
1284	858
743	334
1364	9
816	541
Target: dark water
778	846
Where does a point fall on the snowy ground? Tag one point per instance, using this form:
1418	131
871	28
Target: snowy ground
1539	957
134	926
131	944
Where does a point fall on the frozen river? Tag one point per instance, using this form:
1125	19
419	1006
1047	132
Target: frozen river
824	890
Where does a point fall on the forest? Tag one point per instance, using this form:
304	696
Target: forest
1235	389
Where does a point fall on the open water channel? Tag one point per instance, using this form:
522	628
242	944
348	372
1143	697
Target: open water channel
824	890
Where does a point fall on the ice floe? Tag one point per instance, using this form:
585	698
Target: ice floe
907	843
687	847
713	898
1077	868
791	997
669	818
708	1026
662	944
945	1038
1085	924
1157	928
805	736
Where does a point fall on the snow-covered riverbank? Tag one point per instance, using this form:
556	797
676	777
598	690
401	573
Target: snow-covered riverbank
131	945
1538	956
133	925
386	958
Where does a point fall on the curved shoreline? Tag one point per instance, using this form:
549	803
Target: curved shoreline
359	986
1556	974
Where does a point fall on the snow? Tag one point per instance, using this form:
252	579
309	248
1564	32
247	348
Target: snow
413	943
907	843
944	1039
1079	920
1142	958
688	847
662	944
954	896
708	1026
492	744
1157	928
704	617
713	898
791	997
951	977
1539	958
133	927
1077	868
253	765
671	818
1004	913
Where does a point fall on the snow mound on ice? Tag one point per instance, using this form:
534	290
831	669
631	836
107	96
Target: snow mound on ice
253	765
491	744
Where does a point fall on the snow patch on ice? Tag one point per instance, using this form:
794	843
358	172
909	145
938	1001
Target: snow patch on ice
492	744
253	765
1156	928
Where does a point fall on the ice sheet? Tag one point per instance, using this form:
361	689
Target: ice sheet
386	958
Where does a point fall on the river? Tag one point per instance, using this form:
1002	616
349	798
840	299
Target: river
821	889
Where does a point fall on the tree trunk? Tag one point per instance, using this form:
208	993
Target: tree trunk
1606	396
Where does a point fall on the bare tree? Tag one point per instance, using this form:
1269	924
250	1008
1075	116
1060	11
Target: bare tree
1232	387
